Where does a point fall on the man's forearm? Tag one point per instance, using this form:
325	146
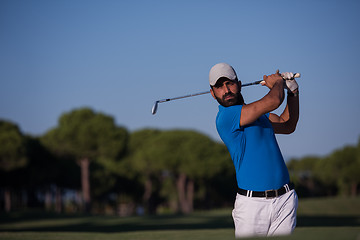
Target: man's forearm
291	112
276	93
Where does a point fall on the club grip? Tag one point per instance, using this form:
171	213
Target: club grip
296	75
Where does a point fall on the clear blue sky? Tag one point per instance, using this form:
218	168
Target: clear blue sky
118	57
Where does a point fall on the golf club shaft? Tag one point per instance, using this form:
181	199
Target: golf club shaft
186	96
201	93
154	108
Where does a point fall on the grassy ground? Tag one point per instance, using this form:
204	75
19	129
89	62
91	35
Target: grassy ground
326	218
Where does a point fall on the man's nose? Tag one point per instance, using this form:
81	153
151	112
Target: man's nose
226	88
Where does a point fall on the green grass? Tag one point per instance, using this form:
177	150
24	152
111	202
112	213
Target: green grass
330	206
326	218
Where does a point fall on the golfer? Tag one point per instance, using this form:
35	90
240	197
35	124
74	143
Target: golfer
266	201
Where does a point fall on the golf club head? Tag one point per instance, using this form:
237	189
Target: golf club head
154	108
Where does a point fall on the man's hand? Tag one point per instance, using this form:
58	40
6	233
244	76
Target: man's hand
290	83
270	80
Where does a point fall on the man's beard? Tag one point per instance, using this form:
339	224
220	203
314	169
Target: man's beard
235	99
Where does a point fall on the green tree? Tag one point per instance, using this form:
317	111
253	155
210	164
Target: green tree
46	170
303	174
142	165
346	167
12	156
88	137
188	157
341	169
172	165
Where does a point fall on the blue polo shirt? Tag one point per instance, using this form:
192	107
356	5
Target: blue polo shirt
258	162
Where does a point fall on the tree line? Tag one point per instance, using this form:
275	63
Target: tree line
335	174
89	164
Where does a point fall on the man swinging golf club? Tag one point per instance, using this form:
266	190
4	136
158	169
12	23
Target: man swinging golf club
266	201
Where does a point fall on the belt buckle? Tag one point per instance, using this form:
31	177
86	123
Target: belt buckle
271	191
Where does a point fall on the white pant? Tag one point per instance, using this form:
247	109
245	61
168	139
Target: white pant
254	216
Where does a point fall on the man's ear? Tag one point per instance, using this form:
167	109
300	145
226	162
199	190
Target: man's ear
212	93
239	83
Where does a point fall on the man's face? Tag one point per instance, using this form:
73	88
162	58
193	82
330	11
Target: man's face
227	92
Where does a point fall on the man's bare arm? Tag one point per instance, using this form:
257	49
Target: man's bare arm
287	121
271	101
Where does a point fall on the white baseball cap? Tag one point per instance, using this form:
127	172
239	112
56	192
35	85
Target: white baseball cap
221	70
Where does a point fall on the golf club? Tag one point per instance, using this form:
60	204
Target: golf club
155	107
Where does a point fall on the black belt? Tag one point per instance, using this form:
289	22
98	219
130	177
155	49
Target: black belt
268	193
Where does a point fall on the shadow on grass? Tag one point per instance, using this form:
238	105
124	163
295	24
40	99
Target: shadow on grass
328	221
45	222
